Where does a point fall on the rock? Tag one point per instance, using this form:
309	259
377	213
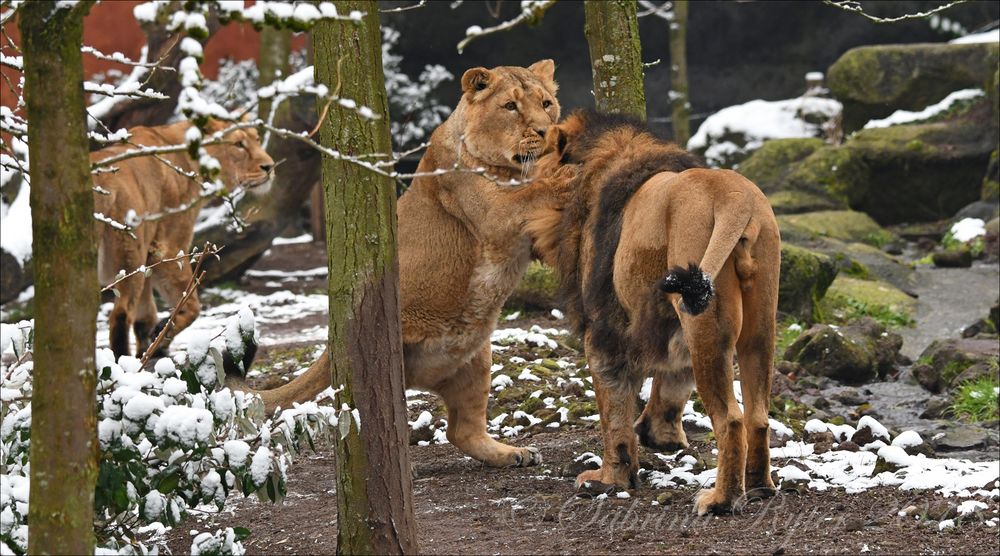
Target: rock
936	407
908	164
849	298
537	290
805	277
952	258
853	523
14	277
844	225
852	354
991	247
848	446
939	510
874	81
991	181
977	371
944	361
983	210
790	188
894	174
961	438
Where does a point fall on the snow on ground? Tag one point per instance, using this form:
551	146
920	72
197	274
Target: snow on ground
968	229
986	36
759	121
279	308
906	116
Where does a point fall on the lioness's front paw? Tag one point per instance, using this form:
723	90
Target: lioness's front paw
713	500
525	457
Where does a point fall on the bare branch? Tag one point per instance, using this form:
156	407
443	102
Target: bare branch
855	7
530	11
404	8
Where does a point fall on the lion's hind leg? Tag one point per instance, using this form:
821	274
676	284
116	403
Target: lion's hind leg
755	352
659	427
711	341
466	394
616	388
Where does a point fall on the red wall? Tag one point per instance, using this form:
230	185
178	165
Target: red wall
110	27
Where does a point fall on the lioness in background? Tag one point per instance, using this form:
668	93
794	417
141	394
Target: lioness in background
145	186
666	269
462	250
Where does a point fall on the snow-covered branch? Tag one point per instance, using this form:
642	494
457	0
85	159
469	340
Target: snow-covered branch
531	11
662	11
855	7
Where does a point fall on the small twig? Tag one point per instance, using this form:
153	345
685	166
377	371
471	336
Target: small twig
529	12
322	117
404	8
197	275
855	7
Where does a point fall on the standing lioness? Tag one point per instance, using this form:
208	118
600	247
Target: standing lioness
462	249
163	204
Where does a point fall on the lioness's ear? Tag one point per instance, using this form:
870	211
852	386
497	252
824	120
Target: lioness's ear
476	79
544	69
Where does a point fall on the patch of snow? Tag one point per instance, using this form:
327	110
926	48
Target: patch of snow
968	229
985	36
906	116
907	439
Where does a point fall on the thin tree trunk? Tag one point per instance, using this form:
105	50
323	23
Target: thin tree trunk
64	410
681	104
272	61
612	32
374	486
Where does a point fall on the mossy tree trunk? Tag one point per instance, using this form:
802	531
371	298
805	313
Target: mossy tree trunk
612	32
272	61
64	411
374	486
680	102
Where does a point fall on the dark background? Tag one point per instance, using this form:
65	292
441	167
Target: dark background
737	51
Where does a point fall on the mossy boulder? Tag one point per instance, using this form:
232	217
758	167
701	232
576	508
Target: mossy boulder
874	81
850	298
793	185
922	171
537	290
853	354
805	277
948	363
866	260
990	190
844	225
768	164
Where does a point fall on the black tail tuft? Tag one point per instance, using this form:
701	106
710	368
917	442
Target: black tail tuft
694	286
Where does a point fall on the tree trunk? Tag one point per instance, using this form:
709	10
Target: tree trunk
374	486
64	410
612	32
681	104
272	62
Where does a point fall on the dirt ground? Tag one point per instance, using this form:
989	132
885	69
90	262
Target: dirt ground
462	507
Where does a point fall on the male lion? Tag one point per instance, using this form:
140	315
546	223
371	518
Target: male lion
462	250
142	187
641	211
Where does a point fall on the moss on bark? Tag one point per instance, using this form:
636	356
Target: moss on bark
64	413
374	484
612	32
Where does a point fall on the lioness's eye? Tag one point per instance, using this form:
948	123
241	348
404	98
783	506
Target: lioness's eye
510	105
546	103
240	144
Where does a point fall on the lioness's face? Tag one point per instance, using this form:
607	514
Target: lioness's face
508	110
244	162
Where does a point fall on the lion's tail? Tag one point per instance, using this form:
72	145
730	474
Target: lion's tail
303	388
732	231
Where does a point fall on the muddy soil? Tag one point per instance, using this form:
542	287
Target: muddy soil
462	507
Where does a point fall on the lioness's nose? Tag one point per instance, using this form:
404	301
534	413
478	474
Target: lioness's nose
266	167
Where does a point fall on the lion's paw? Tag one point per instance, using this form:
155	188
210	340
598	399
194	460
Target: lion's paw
526	457
712	500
